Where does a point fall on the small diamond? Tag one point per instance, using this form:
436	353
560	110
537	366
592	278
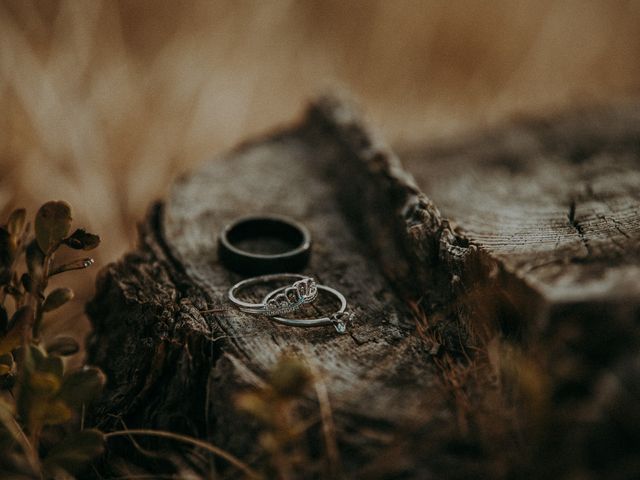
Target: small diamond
340	326
340	321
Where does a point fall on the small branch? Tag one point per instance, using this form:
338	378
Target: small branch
26	446
75	265
39	295
193	441
328	427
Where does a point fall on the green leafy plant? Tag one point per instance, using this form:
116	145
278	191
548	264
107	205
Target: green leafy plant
40	398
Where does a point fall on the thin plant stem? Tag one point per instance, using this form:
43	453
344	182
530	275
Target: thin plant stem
193	441
328	427
48	260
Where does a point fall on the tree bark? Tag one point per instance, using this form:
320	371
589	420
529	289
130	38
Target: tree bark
537	247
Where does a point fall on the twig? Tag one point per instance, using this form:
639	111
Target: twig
328	427
193	441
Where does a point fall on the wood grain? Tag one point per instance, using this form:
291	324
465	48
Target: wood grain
555	202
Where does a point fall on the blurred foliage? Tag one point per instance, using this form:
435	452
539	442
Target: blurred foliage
105	102
274	406
39	396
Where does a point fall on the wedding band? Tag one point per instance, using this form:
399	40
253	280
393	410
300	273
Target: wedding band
339	319
287	299
281	228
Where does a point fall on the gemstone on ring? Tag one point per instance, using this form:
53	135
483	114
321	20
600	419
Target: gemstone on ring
341	320
288	298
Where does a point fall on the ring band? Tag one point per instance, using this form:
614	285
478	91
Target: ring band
275	226
304	290
339	319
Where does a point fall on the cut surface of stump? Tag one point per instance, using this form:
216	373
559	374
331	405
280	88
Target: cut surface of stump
557	203
536	227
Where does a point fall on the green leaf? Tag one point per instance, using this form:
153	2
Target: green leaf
20	323
38	402
57	298
63	346
45	410
47	364
39	361
75	451
6	363
82	386
53	223
15	224
82	240
36	357
55	412
43	384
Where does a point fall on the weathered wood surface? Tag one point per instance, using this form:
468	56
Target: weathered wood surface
556	202
551	208
540	231
162	355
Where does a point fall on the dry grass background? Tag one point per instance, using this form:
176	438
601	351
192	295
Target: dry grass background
102	103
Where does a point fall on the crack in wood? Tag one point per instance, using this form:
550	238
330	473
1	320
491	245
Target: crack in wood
578	228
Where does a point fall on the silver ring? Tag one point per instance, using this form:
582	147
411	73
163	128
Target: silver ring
291	299
339	319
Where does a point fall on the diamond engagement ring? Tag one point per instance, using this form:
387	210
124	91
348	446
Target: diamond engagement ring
285	299
339	319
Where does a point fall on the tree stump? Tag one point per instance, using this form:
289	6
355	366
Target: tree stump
496	289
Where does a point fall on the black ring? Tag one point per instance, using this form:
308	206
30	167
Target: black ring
275	226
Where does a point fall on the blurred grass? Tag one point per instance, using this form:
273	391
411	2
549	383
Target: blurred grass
104	102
